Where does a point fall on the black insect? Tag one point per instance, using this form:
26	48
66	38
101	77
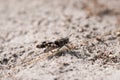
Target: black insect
53	45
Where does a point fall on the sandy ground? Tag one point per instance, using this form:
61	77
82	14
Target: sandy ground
95	32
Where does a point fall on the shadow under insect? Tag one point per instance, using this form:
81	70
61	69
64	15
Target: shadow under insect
64	53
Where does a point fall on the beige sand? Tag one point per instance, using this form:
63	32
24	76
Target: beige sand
95	31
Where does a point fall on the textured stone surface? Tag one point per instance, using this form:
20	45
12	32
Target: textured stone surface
26	23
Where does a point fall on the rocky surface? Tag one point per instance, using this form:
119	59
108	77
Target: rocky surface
94	30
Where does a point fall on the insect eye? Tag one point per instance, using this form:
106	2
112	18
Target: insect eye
56	42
